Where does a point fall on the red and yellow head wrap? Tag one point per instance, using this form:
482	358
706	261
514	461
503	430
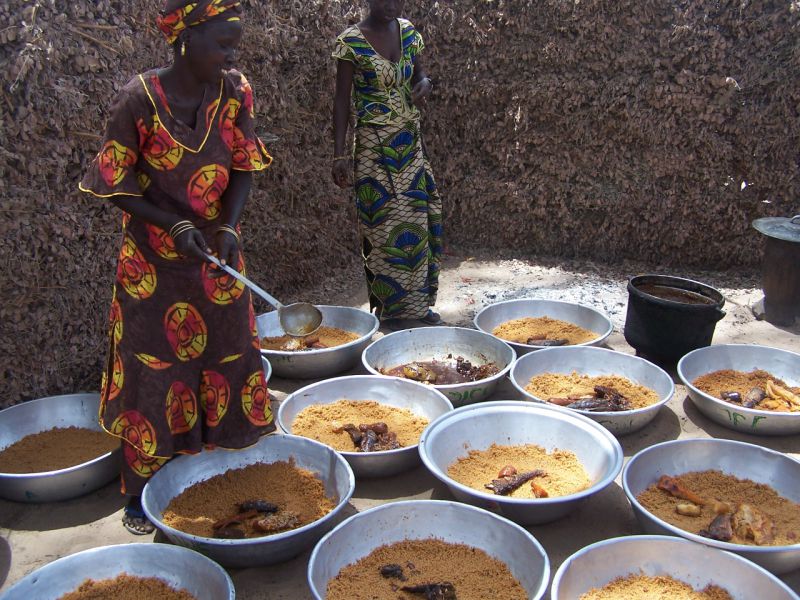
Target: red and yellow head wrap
172	22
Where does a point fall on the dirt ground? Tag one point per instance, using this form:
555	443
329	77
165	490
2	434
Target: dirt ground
33	535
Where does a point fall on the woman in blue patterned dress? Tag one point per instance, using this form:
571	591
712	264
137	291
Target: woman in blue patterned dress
400	212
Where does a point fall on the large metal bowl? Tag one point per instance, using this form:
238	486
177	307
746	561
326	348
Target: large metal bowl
653	555
455	523
741	357
314	364
577	314
594	362
36	416
436	343
422	400
178	567
510	423
185	471
745	461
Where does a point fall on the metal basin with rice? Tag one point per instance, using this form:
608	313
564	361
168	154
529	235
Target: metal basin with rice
178	567
496	314
745	461
37	416
597	565
511	423
594	362
436	343
185	471
451	522
323	362
742	357
420	399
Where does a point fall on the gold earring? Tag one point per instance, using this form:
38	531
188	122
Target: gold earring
183	48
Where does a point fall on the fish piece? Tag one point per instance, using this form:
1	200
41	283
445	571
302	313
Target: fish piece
719	529
507	471
561	401
539	491
284	520
418	372
750	523
547	342
688	510
506	485
229	533
352	431
393	571
387	441
596	405
368	441
378	428
734	397
238	518
775	391
753	397
677	489
261	506
610	393
433	591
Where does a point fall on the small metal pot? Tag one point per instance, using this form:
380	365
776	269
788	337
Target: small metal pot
663	329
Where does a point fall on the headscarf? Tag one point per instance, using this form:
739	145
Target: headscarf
193	13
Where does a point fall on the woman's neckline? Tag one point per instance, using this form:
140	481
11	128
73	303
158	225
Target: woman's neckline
400	43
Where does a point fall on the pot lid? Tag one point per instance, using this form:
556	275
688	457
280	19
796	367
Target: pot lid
782	228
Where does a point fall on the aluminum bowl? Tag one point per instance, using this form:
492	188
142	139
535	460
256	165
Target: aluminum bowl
36	416
509	423
577	314
314	364
741	357
455	523
176	566
745	461
593	362
185	471
267	368
653	555
435	343
422	400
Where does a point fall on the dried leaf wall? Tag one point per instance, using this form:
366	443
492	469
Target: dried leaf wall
645	129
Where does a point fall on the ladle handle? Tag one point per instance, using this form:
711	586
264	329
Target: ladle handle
795	220
236	275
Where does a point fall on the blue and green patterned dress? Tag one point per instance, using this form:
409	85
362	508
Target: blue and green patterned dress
399	208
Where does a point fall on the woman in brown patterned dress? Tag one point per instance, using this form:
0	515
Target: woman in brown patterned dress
184	368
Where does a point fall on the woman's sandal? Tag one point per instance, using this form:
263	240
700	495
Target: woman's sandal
432	318
136	521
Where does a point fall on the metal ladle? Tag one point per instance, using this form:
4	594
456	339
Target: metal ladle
297	320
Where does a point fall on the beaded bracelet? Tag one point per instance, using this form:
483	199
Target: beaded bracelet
343	157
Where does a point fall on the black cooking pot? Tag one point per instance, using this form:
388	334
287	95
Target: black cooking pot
669	316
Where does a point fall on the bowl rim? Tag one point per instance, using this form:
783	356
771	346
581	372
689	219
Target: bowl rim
596	413
621	540
137	546
617	457
449	386
197	539
58	472
545	579
316	352
360	455
721	403
682	533
599	340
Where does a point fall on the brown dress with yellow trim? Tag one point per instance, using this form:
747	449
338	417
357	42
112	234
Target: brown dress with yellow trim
184	368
